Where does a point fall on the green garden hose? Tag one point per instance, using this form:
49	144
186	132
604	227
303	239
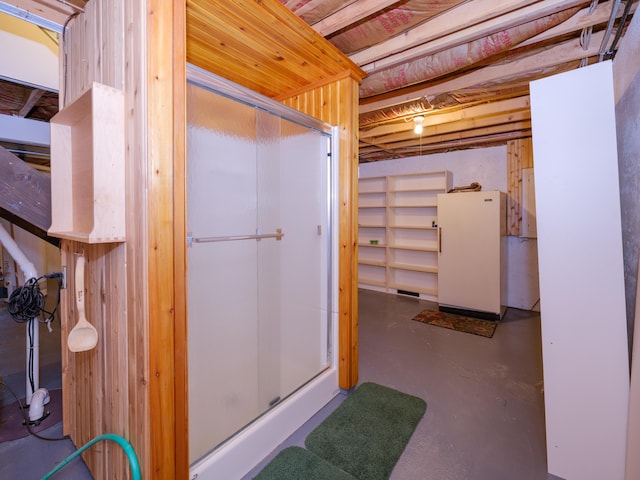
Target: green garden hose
126	446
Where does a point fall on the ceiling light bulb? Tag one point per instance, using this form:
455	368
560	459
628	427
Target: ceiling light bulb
417	129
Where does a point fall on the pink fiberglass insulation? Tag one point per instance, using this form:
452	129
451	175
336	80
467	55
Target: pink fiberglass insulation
389	23
457	58
392	21
312	11
509	87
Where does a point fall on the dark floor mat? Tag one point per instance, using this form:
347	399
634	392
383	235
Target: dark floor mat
368	432
296	463
477	326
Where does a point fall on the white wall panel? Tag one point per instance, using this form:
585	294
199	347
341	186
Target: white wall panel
584	337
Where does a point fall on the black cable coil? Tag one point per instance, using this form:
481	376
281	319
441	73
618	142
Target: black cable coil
26	302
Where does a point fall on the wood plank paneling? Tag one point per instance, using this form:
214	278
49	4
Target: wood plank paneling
336	103
519	156
250	42
167	238
106	389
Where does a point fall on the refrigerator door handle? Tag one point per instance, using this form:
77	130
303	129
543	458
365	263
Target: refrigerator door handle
439	239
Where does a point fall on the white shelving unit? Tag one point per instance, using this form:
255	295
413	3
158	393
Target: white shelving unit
398	242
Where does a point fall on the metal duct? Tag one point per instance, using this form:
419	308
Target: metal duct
408	109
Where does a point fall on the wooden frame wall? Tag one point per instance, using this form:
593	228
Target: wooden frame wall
105	389
519	156
166	120
134	383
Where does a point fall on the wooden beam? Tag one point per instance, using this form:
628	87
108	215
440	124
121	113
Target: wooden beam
437	117
478	132
433	131
491	26
498	138
465	15
564	52
25	193
56	11
580	20
348	15
34	96
166	99
181	373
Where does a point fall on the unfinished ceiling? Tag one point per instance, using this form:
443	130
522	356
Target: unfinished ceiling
464	66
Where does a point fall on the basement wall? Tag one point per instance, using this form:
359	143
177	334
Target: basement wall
488	167
626	78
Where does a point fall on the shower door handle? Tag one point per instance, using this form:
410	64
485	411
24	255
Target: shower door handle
231	238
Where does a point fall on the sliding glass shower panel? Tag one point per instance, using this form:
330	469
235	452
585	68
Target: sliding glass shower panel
257	216
222	332
303	202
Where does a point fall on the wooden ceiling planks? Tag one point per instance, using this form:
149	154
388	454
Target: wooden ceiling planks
261	46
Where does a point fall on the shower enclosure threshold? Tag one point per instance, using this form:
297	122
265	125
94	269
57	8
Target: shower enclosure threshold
240	454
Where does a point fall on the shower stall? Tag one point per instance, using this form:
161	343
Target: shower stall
261	303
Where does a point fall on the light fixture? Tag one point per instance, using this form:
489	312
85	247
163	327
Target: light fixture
417	129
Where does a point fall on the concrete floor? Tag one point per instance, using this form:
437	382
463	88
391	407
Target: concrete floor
484	419
485	411
30	458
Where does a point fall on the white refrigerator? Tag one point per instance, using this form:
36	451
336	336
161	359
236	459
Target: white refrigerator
471	253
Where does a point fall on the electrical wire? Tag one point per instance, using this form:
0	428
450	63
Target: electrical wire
26	418
28	301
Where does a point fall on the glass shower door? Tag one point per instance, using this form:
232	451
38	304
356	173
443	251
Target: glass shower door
257	217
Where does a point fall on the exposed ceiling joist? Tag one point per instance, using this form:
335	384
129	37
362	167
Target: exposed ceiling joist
531	65
348	15
583	19
450	61
475	32
464	16
441	118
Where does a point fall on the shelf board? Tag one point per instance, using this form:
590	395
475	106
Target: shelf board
433	205
409	190
410	210
375	263
88	168
412	227
414	288
414	268
377	283
417	249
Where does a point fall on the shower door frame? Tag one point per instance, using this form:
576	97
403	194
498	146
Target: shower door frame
235	457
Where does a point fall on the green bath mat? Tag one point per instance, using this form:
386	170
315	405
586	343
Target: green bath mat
368	432
296	463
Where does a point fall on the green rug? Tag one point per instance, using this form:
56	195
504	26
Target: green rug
296	463
368	432
477	326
